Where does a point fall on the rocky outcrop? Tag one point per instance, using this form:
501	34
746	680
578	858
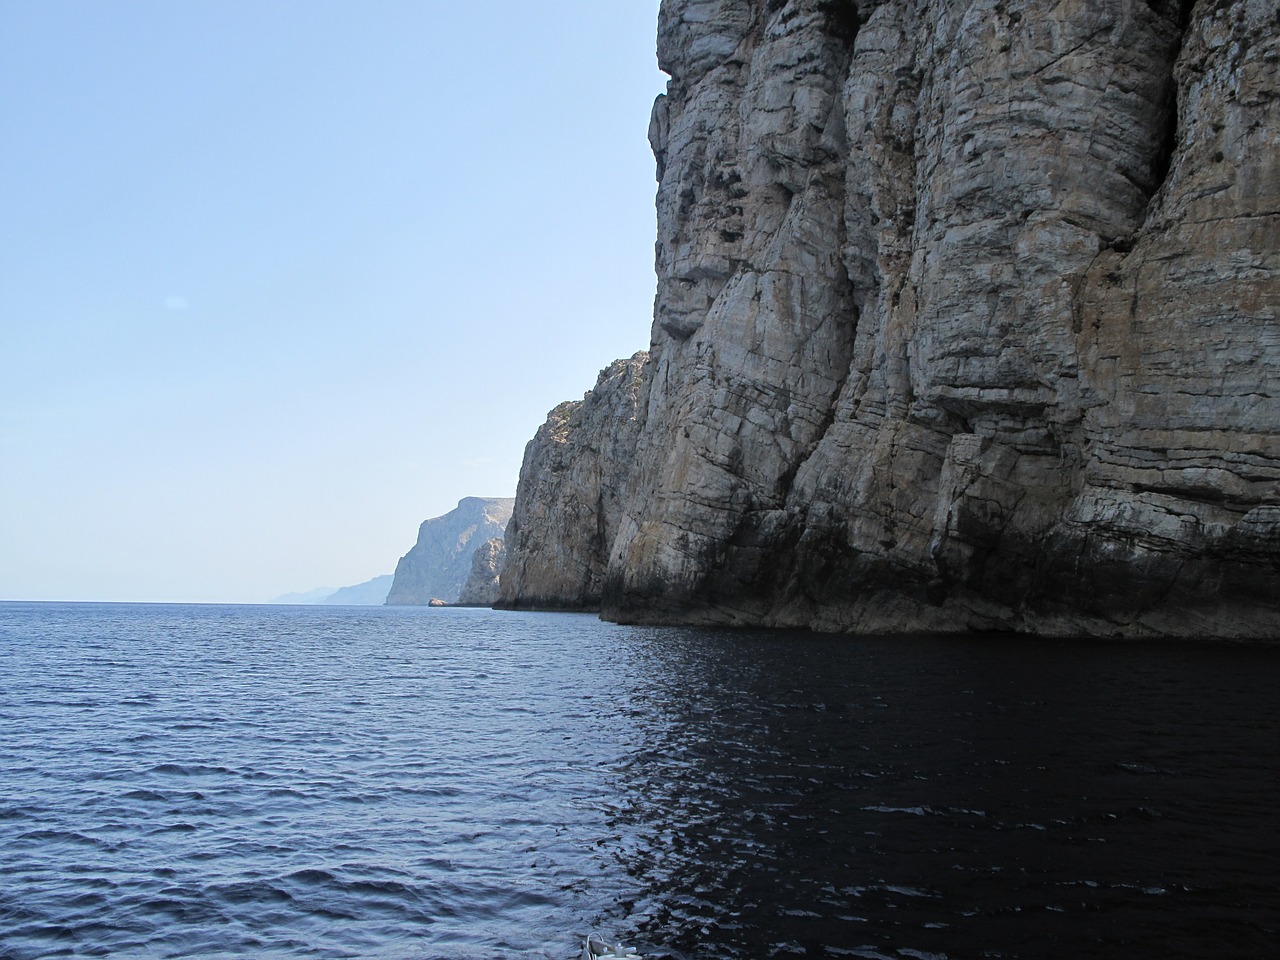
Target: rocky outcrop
481	588
572	484
440	562
966	319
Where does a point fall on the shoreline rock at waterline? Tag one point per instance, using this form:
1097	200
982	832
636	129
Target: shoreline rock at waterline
966	320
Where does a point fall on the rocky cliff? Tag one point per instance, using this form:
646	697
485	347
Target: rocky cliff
481	587
966	319
439	563
569	500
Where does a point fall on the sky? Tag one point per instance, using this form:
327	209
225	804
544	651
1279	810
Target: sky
281	279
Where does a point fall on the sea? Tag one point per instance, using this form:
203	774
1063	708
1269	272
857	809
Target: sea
206	781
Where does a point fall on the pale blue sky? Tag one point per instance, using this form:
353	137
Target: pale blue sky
280	279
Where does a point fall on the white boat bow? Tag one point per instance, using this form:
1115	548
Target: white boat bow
595	948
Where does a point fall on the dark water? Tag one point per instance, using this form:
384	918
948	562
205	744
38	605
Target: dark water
182	781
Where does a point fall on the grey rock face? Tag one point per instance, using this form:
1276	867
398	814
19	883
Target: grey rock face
481	588
440	562
571	491
966	319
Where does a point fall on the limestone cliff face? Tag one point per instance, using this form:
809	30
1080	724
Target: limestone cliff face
966	319
569	499
481	587
440	561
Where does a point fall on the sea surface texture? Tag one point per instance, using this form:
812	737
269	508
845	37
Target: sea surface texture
259	782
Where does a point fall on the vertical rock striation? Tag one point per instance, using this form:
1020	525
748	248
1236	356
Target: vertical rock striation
966	319
481	587
573	480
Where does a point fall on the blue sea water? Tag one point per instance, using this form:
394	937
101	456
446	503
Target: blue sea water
253	781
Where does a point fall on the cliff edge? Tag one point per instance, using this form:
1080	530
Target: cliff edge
966	319
440	562
569	501
481	586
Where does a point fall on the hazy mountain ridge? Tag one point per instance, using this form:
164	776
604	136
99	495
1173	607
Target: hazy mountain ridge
304	597
371	592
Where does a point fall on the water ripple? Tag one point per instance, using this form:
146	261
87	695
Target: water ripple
211	782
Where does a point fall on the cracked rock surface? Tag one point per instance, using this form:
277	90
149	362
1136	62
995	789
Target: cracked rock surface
569	500
966	319
481	586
